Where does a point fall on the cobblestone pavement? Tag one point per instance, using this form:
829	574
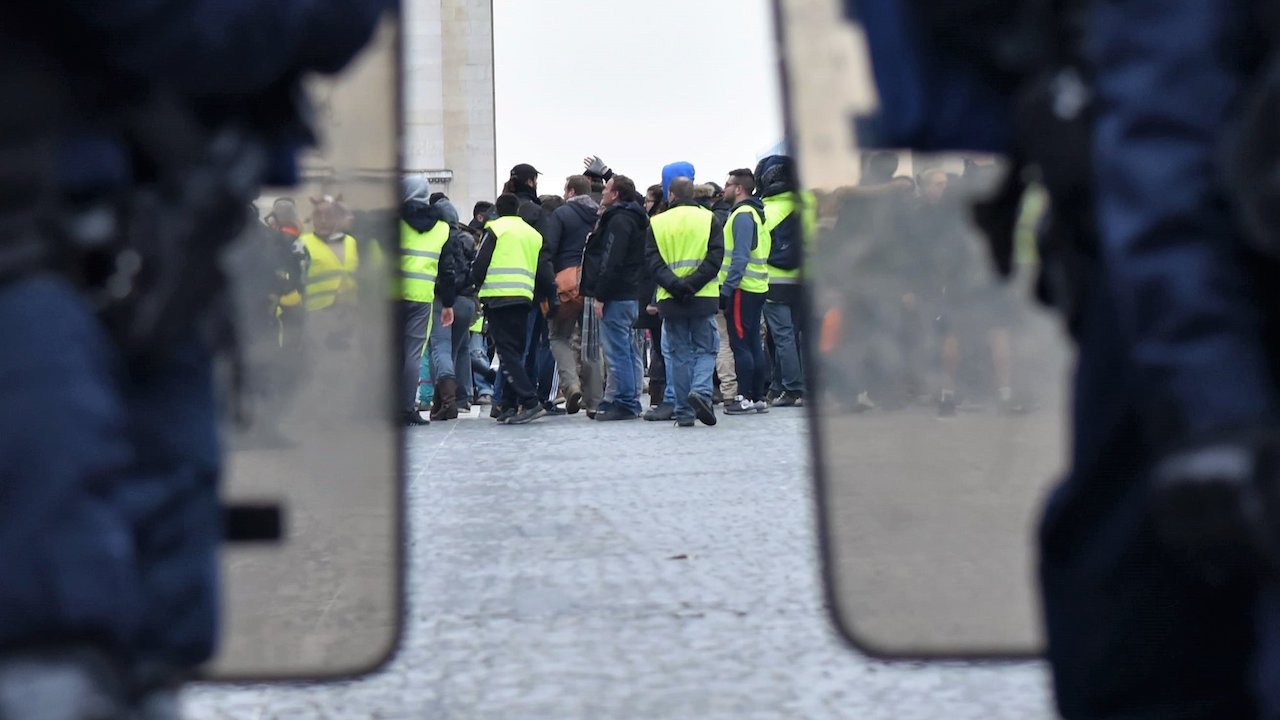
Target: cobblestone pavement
570	569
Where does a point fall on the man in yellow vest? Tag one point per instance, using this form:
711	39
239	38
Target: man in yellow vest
684	252
791	218
334	257
509	267
744	282
431	270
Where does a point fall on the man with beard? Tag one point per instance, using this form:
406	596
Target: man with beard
613	273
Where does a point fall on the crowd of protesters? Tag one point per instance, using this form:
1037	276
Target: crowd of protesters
676	303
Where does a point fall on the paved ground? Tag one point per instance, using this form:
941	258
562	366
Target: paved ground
570	569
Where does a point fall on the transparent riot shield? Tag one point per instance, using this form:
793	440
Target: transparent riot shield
311	574
937	391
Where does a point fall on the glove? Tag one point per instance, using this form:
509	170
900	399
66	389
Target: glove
682	292
1218	508
595	166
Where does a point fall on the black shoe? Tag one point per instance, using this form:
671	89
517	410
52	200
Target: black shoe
413	418
573	401
495	411
661	413
789	399
946	404
464	407
772	396
740	406
553	409
616	413
527	415
684	422
505	415
702	408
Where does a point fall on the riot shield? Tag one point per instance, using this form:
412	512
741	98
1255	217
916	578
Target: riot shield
311	572
936	390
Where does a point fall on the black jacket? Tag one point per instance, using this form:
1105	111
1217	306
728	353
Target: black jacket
452	273
544	282
722	208
613	266
688	306
564	232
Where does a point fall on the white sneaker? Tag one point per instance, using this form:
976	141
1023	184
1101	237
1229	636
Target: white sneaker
761	406
740	406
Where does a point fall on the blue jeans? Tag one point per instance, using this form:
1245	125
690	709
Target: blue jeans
110	523
690	345
482	386
786	325
620	352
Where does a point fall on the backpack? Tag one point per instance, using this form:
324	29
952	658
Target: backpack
787	250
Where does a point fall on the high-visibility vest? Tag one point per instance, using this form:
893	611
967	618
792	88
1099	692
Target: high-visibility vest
778	208
328	276
682	235
420	260
755	278
515	259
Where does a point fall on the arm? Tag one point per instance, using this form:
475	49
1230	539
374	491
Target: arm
710	266
744	241
658	267
544	282
484	256
451	259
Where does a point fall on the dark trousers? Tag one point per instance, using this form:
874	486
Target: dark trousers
509	326
657	367
742	316
109	522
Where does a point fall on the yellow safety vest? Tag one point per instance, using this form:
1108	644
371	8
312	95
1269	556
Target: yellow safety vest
327	277
778	208
682	235
478	325
420	260
515	259
755	278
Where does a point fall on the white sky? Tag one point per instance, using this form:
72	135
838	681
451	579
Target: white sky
639	84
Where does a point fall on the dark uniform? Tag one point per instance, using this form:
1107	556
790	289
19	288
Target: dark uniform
109	460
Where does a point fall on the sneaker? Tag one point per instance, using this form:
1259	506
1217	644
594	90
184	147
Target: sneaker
552	409
761	406
413	418
684	422
740	406
484	400
495	411
789	399
527	415
946	404
573	401
772	396
661	413
702	408
616	413
864	403
505	415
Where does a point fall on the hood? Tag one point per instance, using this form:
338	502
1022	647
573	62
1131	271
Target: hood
447	211
673	171
755	203
775	175
585	207
630	206
419	215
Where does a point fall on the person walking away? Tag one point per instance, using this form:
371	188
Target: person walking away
791	219
510	269
449	345
565	239
744	284
429	259
612	272
684	251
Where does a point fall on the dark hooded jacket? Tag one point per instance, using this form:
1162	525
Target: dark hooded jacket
684	304
613	265
452	274
564	233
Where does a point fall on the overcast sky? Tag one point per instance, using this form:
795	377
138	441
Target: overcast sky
639	84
